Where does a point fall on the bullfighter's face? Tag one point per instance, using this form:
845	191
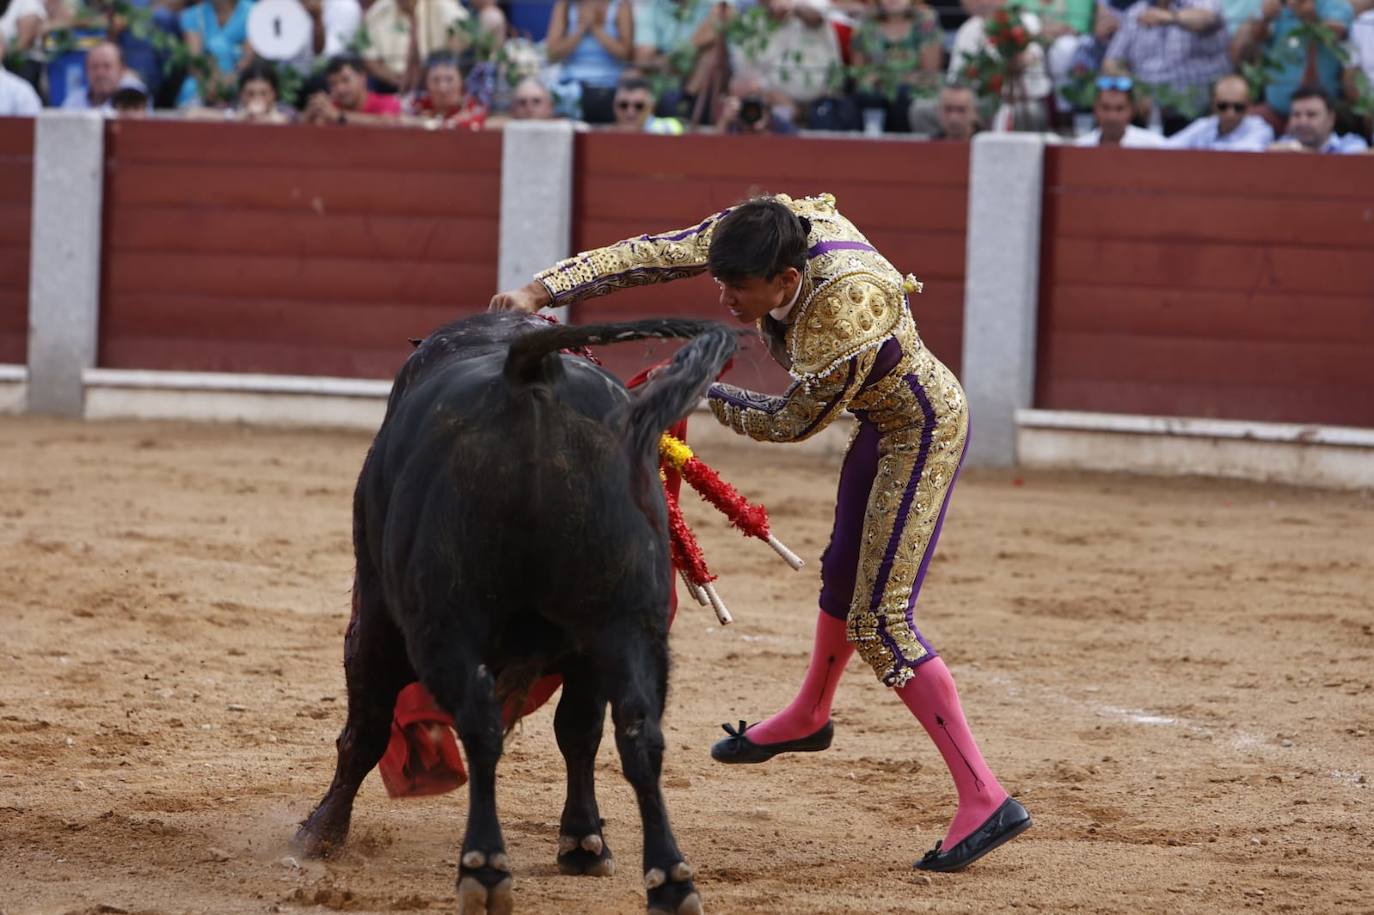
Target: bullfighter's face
750	299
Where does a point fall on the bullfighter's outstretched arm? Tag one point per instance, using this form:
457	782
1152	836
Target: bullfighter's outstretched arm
632	262
805	409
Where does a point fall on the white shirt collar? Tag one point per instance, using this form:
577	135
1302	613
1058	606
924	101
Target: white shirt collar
782	311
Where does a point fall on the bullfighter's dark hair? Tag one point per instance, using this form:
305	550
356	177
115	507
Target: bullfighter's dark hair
758	239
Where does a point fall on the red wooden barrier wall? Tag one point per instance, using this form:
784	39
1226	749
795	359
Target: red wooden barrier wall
910	199
16	194
291	250
1208	284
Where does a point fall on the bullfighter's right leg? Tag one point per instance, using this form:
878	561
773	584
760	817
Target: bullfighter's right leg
579	721
375	670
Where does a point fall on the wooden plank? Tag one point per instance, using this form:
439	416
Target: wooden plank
1206	174
1108	309
360	325
237	231
663	204
771	160
1242	268
14	267
328	279
14	348
304	188
1122	358
391	152
1130	214
16	223
14	311
1261	403
196	354
16	182
16	138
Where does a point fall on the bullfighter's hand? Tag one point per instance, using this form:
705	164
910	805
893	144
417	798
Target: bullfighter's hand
528	299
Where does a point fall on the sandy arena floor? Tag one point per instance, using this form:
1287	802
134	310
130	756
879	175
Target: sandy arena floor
1177	678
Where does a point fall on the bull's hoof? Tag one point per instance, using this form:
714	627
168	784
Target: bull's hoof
672	893
585	857
316	839
475	897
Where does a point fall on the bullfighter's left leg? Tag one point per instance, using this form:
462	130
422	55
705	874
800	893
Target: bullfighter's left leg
917	469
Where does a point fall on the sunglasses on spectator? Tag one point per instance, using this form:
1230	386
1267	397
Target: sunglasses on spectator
1117	83
1231	106
625	105
527	100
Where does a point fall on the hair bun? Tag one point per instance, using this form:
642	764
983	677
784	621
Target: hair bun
806	224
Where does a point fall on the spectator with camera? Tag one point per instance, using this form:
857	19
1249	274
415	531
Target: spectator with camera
1231	127
1312	126
1113	109
799	56
593	41
403	33
1179	46
1284	33
348	100
677	41
747	110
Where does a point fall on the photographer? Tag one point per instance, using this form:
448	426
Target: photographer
747	110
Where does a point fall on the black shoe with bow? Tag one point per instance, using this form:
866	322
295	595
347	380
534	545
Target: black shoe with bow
1008	822
738	748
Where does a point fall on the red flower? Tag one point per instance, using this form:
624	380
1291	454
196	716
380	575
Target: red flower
971	72
1001	18
995	83
1018	35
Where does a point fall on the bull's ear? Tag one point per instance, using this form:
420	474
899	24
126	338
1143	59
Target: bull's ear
416	341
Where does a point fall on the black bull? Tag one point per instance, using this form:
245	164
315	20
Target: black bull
509	523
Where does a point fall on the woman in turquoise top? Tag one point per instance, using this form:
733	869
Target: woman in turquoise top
219	29
593	39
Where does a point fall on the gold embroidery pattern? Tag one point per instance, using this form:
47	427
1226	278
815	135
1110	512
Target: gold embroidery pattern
798	414
633	262
879	626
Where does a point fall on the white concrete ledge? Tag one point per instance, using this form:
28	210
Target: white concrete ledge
14	389
347	403
1330	456
293	400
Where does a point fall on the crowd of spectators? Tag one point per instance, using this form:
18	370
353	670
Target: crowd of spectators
1248	75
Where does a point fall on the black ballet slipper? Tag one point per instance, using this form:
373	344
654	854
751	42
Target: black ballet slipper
1008	822
738	748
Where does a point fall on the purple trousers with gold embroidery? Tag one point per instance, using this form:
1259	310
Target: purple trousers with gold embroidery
894	489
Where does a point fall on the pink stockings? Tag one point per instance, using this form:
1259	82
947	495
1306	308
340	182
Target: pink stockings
931	697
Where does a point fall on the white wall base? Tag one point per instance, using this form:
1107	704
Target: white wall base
14	389
340	403
266	399
1330	456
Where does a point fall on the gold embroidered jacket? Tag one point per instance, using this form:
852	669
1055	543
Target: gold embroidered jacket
852	302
